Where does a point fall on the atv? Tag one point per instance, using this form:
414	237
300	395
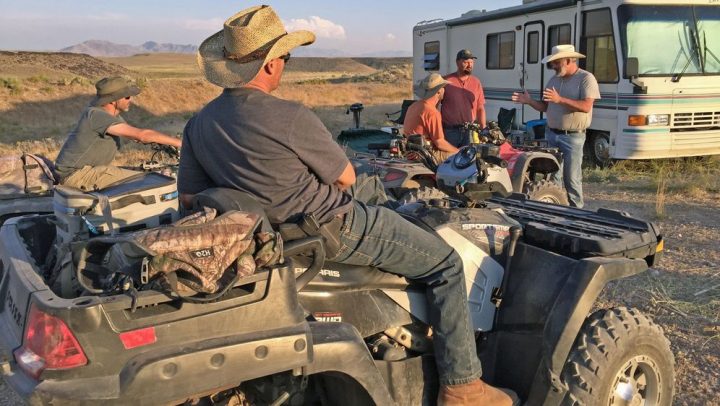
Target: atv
308	331
405	164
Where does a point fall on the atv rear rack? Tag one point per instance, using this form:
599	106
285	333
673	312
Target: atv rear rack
580	233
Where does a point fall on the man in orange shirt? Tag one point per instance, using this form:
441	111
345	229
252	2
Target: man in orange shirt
423	117
464	100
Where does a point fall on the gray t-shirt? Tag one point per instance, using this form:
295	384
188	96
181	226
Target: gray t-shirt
276	150
88	143
580	86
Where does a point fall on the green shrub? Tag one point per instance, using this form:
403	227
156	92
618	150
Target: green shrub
13	84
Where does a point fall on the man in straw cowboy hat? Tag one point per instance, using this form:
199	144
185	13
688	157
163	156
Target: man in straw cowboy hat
84	160
423	117
281	153
568	101
464	100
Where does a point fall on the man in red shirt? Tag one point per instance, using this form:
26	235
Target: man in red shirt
424	118
464	100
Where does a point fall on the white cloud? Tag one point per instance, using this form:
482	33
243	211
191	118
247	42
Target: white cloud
321	27
390	36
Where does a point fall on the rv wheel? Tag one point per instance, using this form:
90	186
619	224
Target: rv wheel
620	357
546	191
599	149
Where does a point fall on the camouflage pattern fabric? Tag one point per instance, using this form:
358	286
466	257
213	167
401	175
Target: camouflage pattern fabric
191	256
201	247
26	174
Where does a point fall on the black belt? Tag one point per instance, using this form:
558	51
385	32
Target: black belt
566	132
454	126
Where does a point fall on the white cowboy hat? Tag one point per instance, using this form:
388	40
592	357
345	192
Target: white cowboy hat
249	39
432	84
562	51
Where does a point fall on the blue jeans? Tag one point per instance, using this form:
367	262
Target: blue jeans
456	136
377	236
570	173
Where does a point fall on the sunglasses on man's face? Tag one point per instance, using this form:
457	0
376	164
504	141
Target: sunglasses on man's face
285	57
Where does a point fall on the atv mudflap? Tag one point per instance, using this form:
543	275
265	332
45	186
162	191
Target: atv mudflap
547	300
580	233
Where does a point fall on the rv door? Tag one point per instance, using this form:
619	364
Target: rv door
532	75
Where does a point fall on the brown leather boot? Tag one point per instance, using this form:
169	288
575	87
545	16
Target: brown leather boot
476	393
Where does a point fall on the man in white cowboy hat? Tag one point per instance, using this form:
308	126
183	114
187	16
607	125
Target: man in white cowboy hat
280	152
464	100
84	160
423	117
568	101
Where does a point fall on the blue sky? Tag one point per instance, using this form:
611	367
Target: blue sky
354	26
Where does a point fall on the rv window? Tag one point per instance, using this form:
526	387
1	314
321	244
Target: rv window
533	46
432	55
598	45
557	35
500	50
675	30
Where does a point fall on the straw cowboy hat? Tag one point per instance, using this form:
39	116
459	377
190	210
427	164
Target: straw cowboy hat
432	84
113	88
249	39
562	51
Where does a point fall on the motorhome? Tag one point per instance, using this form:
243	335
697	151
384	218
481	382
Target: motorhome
657	63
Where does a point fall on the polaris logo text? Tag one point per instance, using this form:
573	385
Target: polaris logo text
329	273
497	227
203	253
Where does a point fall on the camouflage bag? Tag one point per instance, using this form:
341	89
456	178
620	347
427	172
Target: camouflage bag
27	174
202	253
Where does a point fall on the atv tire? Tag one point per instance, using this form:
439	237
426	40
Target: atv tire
619	357
546	191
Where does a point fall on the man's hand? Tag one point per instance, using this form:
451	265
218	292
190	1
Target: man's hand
522	98
551	95
347	178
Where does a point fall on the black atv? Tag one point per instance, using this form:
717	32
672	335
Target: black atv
311	332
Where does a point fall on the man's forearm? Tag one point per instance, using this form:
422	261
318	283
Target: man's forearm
538	105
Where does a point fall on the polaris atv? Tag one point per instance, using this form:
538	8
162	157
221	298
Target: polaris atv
306	331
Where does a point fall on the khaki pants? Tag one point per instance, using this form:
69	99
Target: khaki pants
441	156
97	177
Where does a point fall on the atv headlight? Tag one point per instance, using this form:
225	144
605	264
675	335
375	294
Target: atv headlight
658	119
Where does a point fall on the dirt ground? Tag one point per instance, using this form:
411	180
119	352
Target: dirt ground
681	293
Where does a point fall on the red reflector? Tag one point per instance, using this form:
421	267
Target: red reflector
138	338
48	344
393	175
394	150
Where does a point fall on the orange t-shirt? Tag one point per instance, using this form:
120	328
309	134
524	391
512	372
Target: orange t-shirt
461	100
422	117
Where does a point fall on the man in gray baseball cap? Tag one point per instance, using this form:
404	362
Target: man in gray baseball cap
464	100
84	160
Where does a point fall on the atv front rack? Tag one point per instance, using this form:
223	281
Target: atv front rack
580	233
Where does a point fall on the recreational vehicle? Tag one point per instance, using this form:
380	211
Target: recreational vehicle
657	63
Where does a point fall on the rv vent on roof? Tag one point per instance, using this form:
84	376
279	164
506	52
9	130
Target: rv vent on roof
429	21
473	13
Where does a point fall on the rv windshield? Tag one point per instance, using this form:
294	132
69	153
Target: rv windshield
671	40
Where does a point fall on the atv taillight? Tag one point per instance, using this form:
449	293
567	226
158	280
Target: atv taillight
48	344
393	175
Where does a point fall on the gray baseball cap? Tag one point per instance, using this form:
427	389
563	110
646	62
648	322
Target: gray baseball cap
465	54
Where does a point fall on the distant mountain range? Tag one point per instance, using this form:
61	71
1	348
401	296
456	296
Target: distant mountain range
107	48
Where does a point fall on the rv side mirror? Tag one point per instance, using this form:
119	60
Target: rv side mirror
632	69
